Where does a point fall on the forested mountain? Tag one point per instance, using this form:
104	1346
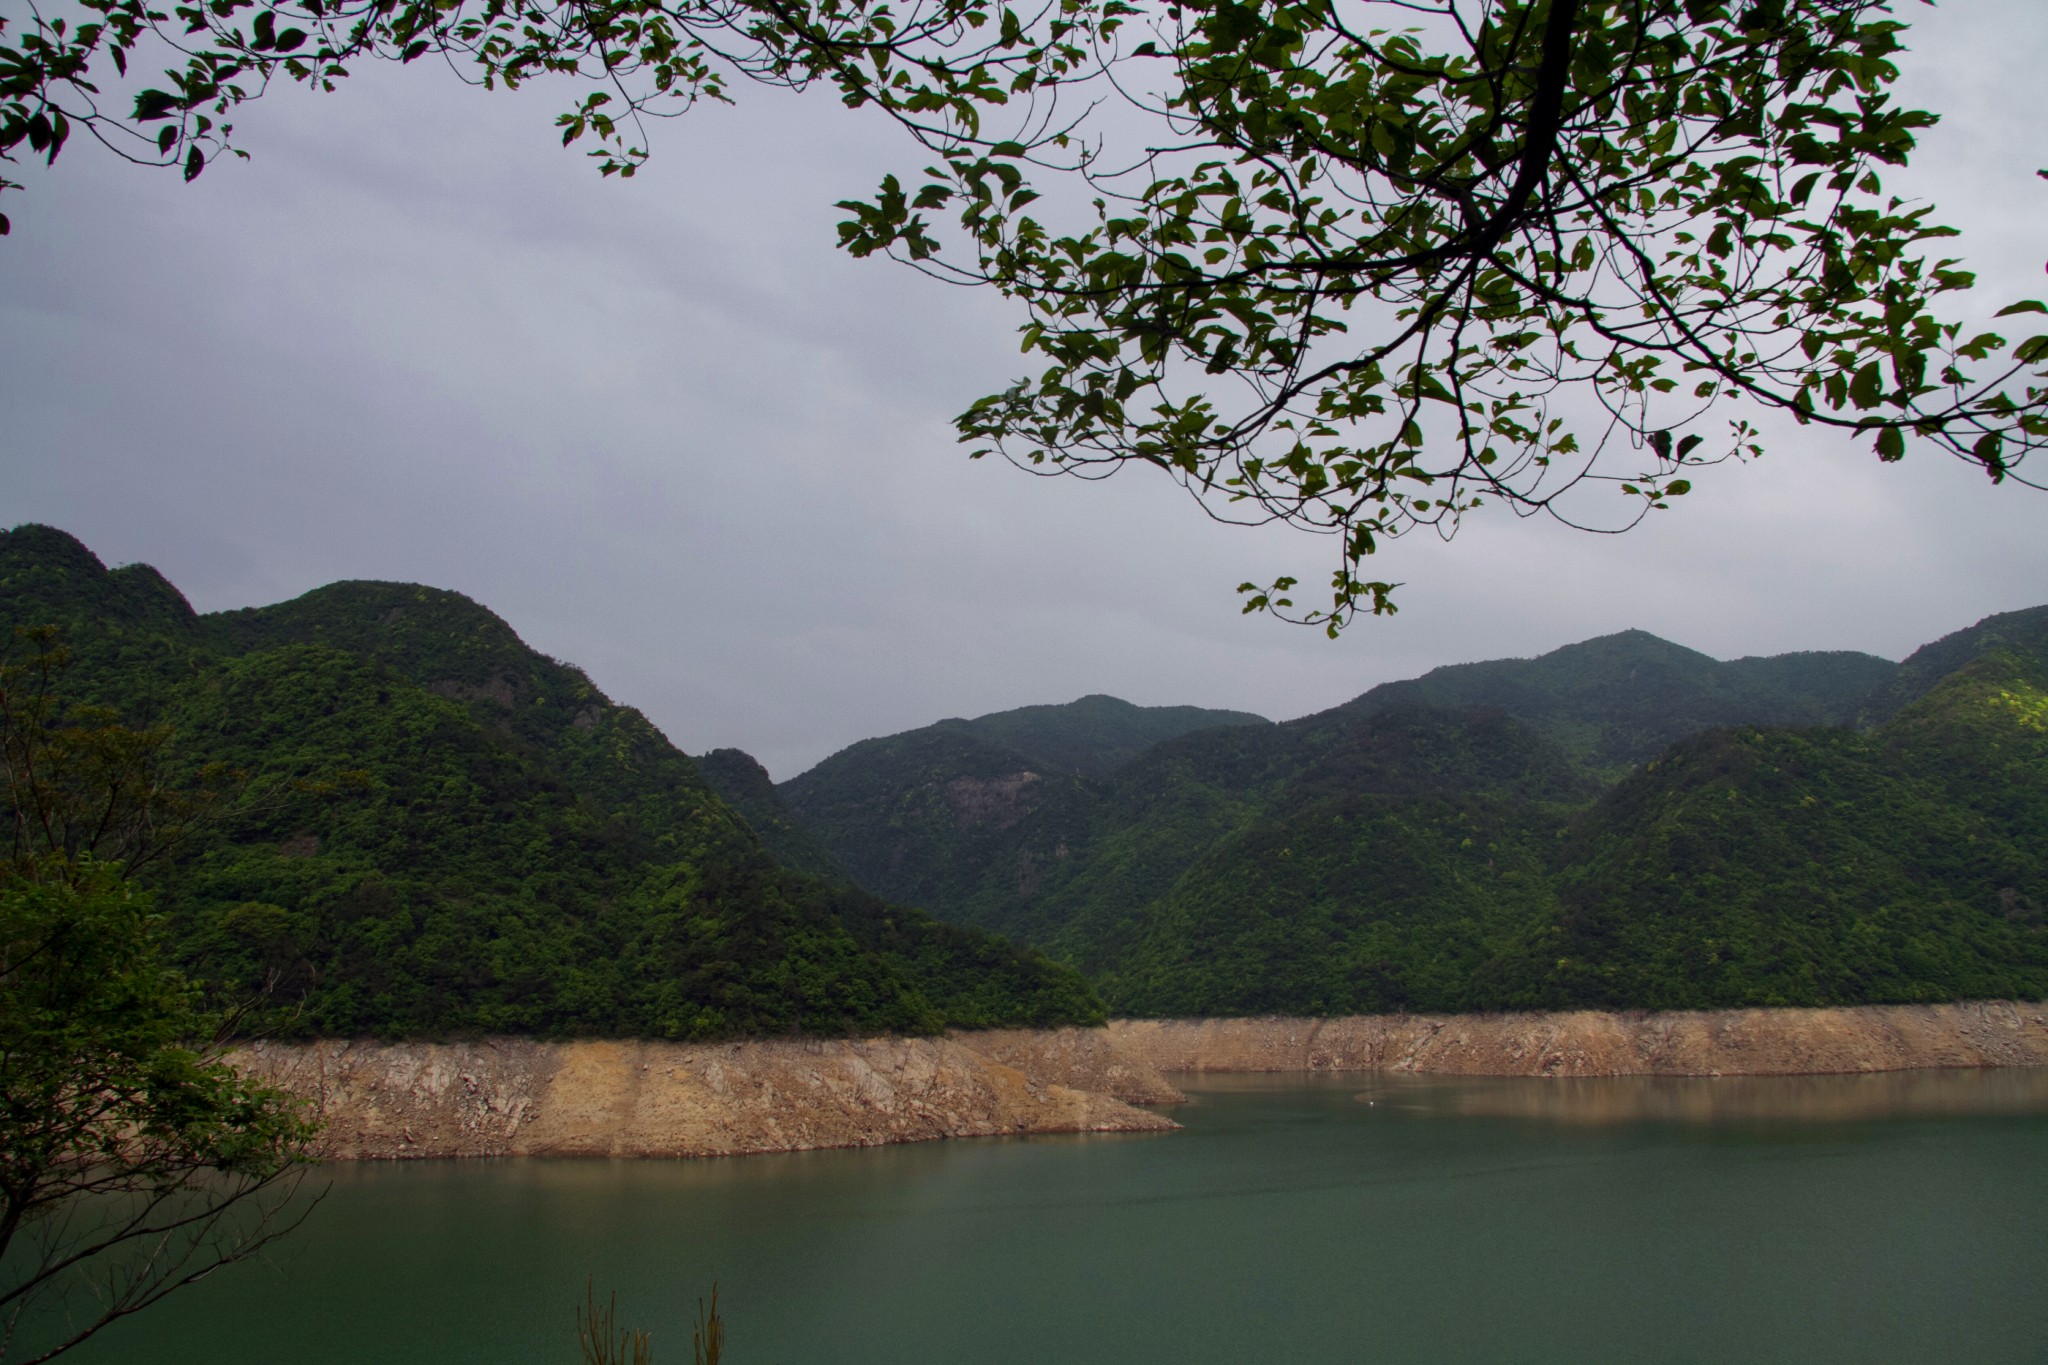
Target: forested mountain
744	785
1097	734
1743	866
447	831
1622	822
977	815
1615	701
982	833
2023	635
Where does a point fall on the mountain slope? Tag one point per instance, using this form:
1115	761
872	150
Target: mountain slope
1353	905
446	832
1819	866
1622	822
1097	734
1747	866
941	816
977	817
744	785
1175	812
1068	853
2020	634
1615	701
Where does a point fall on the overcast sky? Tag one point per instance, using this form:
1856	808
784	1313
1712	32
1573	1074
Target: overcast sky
670	434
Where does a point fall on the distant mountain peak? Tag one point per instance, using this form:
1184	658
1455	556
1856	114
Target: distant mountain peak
1616	700
52	573
1098	733
483	843
2022	634
47	543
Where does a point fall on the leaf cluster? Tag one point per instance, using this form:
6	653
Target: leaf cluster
627	60
133	1158
1378	265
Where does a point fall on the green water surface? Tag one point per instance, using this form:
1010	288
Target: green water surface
1330	1219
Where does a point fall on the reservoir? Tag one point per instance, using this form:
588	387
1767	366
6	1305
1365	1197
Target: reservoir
1334	1218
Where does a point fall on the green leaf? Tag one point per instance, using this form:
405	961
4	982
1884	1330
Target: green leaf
1989	451
154	104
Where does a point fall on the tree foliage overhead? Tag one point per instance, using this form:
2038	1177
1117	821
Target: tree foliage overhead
1380	263
1359	266
933	64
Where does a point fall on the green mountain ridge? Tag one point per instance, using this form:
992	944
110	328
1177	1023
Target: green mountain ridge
744	785
1072	855
448	832
491	843
1098	734
2023	634
979	814
1618	700
1622	823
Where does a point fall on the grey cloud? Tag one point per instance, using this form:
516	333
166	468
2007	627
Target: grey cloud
670	433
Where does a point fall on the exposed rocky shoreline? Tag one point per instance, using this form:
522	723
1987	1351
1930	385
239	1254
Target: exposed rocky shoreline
1750	1042
521	1097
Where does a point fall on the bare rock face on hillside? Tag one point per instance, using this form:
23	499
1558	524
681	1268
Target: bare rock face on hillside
1749	1042
521	1097
998	802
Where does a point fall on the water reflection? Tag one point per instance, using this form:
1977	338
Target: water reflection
1715	1099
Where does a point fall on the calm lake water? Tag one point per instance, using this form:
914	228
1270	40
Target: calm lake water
1343	1219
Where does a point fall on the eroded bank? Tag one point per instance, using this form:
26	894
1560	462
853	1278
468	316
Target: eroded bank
1750	1042
522	1097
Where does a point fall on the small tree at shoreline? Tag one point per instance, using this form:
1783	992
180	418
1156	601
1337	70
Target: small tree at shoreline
134	1160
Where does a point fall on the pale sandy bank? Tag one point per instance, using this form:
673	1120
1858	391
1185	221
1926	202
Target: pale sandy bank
1753	1042
520	1097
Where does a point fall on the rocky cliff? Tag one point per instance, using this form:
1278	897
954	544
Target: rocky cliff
1753	1042
521	1097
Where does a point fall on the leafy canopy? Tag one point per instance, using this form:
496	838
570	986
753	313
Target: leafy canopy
1381	263
1357	266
